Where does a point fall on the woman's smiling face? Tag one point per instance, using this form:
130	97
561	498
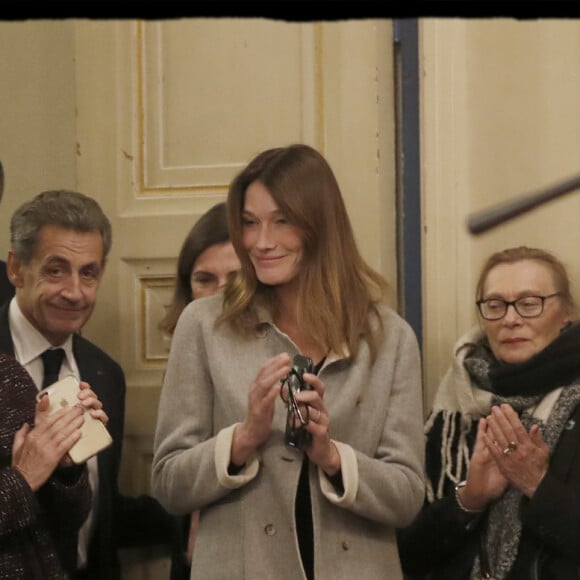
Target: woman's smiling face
274	245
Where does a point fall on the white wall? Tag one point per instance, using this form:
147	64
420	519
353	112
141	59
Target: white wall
37	114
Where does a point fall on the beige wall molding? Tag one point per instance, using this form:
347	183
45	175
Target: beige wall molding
499	118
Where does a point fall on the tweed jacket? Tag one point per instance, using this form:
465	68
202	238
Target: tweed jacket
247	527
121	521
38	530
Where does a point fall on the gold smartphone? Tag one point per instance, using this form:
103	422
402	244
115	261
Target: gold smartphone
94	434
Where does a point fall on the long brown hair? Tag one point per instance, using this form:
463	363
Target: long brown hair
338	292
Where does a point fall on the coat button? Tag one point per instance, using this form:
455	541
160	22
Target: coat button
345	545
270	530
262	330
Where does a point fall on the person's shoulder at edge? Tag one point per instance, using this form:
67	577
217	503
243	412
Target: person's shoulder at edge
203	309
91	349
392	320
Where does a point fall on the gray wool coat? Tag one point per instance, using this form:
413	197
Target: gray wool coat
247	528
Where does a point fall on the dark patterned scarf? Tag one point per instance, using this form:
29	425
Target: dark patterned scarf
475	383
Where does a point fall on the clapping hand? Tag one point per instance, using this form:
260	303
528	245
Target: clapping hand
521	456
485	482
262	396
36	452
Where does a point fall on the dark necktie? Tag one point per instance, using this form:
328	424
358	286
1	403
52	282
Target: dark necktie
52	360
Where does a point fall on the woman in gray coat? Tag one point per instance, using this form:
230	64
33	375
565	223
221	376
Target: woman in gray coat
301	467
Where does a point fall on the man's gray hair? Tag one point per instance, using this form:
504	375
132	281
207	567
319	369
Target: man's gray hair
66	209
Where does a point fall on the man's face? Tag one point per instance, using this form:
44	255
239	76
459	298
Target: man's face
57	289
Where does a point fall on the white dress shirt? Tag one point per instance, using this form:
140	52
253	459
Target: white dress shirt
29	344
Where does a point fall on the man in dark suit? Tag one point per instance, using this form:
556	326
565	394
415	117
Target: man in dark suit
6	289
60	241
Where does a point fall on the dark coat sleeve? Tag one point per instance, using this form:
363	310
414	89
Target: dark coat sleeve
553	512
442	539
63	502
66	498
19	507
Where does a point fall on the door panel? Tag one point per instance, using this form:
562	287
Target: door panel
168	113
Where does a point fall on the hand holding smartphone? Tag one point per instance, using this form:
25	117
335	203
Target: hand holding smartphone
94	434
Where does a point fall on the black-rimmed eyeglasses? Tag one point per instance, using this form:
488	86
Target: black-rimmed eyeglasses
526	307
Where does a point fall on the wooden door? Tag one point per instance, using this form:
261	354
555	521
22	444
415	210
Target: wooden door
167	113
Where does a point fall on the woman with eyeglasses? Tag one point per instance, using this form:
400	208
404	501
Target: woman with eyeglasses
503	436
302	466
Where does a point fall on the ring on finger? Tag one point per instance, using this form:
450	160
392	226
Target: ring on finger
510	448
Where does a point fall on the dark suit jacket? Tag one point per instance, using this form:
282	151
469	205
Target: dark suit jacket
6	288
121	521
